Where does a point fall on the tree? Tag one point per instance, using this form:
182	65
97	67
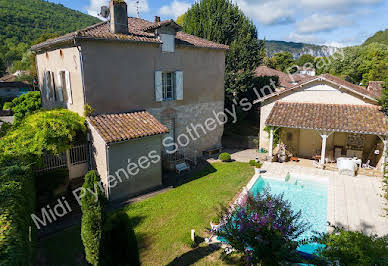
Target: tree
263	228
51	131
2	66
281	61
93	217
353	248
180	19
383	101
360	64
223	22
305	59
26	104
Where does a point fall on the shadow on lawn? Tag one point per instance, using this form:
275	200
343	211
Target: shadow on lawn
202	170
194	255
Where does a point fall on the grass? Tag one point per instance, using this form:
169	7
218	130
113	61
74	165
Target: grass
162	224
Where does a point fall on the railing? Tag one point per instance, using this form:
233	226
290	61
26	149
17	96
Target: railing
76	155
79	154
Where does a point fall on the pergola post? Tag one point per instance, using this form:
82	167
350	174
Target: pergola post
270	151
384	155
324	136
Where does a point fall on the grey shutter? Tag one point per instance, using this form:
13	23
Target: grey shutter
158	86
45	85
60	86
68	87
179	85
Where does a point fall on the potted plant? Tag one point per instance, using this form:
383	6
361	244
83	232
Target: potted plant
215	223
257	165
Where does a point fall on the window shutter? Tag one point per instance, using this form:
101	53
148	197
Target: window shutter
49	85
60	86
179	85
68	88
158	86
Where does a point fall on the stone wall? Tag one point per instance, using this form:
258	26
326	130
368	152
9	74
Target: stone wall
190	124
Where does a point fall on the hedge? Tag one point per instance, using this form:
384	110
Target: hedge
225	157
93	216
17	202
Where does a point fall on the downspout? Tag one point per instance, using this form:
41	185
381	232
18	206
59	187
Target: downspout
82	68
107	169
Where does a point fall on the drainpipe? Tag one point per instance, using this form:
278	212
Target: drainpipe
107	169
81	67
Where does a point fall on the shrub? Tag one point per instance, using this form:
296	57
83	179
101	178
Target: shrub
4	128
88	110
255	164
263	228
17	202
45	131
353	248
93	216
7	106
120	245
225	157
26	104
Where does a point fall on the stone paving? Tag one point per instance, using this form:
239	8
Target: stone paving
355	203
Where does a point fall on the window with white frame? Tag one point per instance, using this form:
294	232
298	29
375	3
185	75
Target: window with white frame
65	86
168	82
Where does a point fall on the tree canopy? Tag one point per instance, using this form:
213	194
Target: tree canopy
281	61
44	131
360	64
379	37
23	21
223	22
26	104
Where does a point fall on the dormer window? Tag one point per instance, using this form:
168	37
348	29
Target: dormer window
168	43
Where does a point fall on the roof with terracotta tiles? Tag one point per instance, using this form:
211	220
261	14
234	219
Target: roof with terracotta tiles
376	87
139	31
285	80
122	127
364	119
361	91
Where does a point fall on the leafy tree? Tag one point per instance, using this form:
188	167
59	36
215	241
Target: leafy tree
223	22
383	101
379	37
26	104
2	66
263	228
353	248
23	21
93	216
44	131
281	61
360	64
305	59
179	20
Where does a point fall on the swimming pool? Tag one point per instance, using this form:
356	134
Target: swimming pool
304	194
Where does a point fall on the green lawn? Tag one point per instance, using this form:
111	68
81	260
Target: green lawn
163	223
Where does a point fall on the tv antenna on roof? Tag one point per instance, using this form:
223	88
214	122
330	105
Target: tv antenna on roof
104	12
137	8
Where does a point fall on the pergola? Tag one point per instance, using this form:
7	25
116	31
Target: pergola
327	119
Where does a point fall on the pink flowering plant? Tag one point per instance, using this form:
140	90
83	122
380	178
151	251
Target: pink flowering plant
264	229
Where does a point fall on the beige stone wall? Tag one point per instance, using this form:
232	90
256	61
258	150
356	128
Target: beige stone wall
98	151
65	59
193	115
147	177
120	77
318	92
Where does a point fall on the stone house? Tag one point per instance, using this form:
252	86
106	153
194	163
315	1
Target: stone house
326	117
130	66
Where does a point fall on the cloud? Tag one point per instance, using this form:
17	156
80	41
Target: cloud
295	37
319	23
268	12
175	9
335	4
94	7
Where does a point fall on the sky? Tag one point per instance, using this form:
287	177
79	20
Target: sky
330	22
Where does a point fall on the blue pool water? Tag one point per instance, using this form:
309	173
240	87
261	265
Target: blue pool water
306	195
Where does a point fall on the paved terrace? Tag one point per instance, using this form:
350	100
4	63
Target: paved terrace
355	203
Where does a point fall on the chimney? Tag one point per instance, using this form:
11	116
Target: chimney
118	16
157	19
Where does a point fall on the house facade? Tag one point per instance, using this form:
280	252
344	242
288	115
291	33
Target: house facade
325	116
141	66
